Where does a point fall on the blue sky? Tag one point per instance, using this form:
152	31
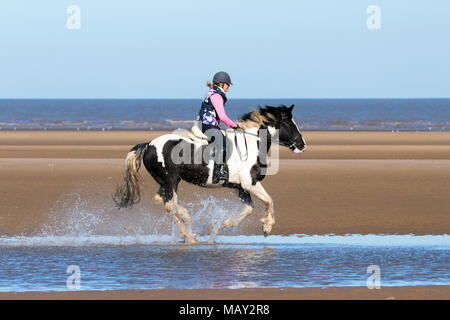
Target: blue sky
272	49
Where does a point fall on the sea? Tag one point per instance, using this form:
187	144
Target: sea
170	114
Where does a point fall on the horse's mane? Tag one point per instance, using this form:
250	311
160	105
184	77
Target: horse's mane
262	116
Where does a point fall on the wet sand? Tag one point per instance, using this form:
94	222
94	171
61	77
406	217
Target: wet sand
330	293
334	187
310	196
346	182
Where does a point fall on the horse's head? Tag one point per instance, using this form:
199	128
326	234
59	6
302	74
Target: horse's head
289	133
276	118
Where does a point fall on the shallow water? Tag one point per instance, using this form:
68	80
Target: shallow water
149	262
135	250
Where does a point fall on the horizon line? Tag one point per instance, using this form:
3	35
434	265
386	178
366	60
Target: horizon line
289	98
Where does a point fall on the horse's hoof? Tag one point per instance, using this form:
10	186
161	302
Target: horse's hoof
227	223
266	230
169	206
192	239
158	199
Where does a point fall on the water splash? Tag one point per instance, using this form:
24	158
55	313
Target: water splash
80	216
210	213
77	220
77	215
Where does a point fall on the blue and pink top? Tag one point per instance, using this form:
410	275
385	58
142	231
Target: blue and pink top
212	110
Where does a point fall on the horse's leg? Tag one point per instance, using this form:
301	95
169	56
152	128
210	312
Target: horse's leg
259	191
159	196
170	198
182	217
246	198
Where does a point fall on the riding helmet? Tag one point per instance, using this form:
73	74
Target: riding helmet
222	77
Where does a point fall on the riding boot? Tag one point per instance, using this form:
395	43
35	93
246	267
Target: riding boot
220	173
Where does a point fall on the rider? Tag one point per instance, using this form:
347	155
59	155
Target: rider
211	113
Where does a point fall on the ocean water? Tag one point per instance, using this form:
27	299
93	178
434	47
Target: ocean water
149	262
164	114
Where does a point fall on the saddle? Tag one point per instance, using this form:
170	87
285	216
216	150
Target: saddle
197	135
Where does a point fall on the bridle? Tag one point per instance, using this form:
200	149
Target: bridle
290	144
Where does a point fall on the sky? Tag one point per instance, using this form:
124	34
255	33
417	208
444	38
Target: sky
272	49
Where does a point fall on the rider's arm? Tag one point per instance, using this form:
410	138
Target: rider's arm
217	102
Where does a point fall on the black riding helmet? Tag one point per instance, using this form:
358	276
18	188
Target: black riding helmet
222	77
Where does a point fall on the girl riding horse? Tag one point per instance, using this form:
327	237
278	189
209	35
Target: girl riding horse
212	111
161	157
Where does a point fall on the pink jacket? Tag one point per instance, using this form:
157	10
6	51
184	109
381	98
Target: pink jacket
217	102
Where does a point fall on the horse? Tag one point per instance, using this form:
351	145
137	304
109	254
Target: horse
245	174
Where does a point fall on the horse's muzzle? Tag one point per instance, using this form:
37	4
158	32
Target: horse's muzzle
299	146
297	150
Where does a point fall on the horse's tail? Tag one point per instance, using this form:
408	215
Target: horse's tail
129	192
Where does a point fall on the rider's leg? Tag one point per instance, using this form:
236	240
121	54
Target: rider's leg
220	171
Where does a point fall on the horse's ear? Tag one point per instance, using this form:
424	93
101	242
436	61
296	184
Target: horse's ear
291	107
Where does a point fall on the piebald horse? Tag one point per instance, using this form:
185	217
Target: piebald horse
245	173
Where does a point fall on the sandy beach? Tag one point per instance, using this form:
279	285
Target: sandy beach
332	293
345	182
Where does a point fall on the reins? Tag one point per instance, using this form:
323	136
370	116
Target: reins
277	141
237	145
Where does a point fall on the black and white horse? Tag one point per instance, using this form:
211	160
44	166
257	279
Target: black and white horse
245	173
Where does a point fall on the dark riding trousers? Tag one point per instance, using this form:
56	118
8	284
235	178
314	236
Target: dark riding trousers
211	131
